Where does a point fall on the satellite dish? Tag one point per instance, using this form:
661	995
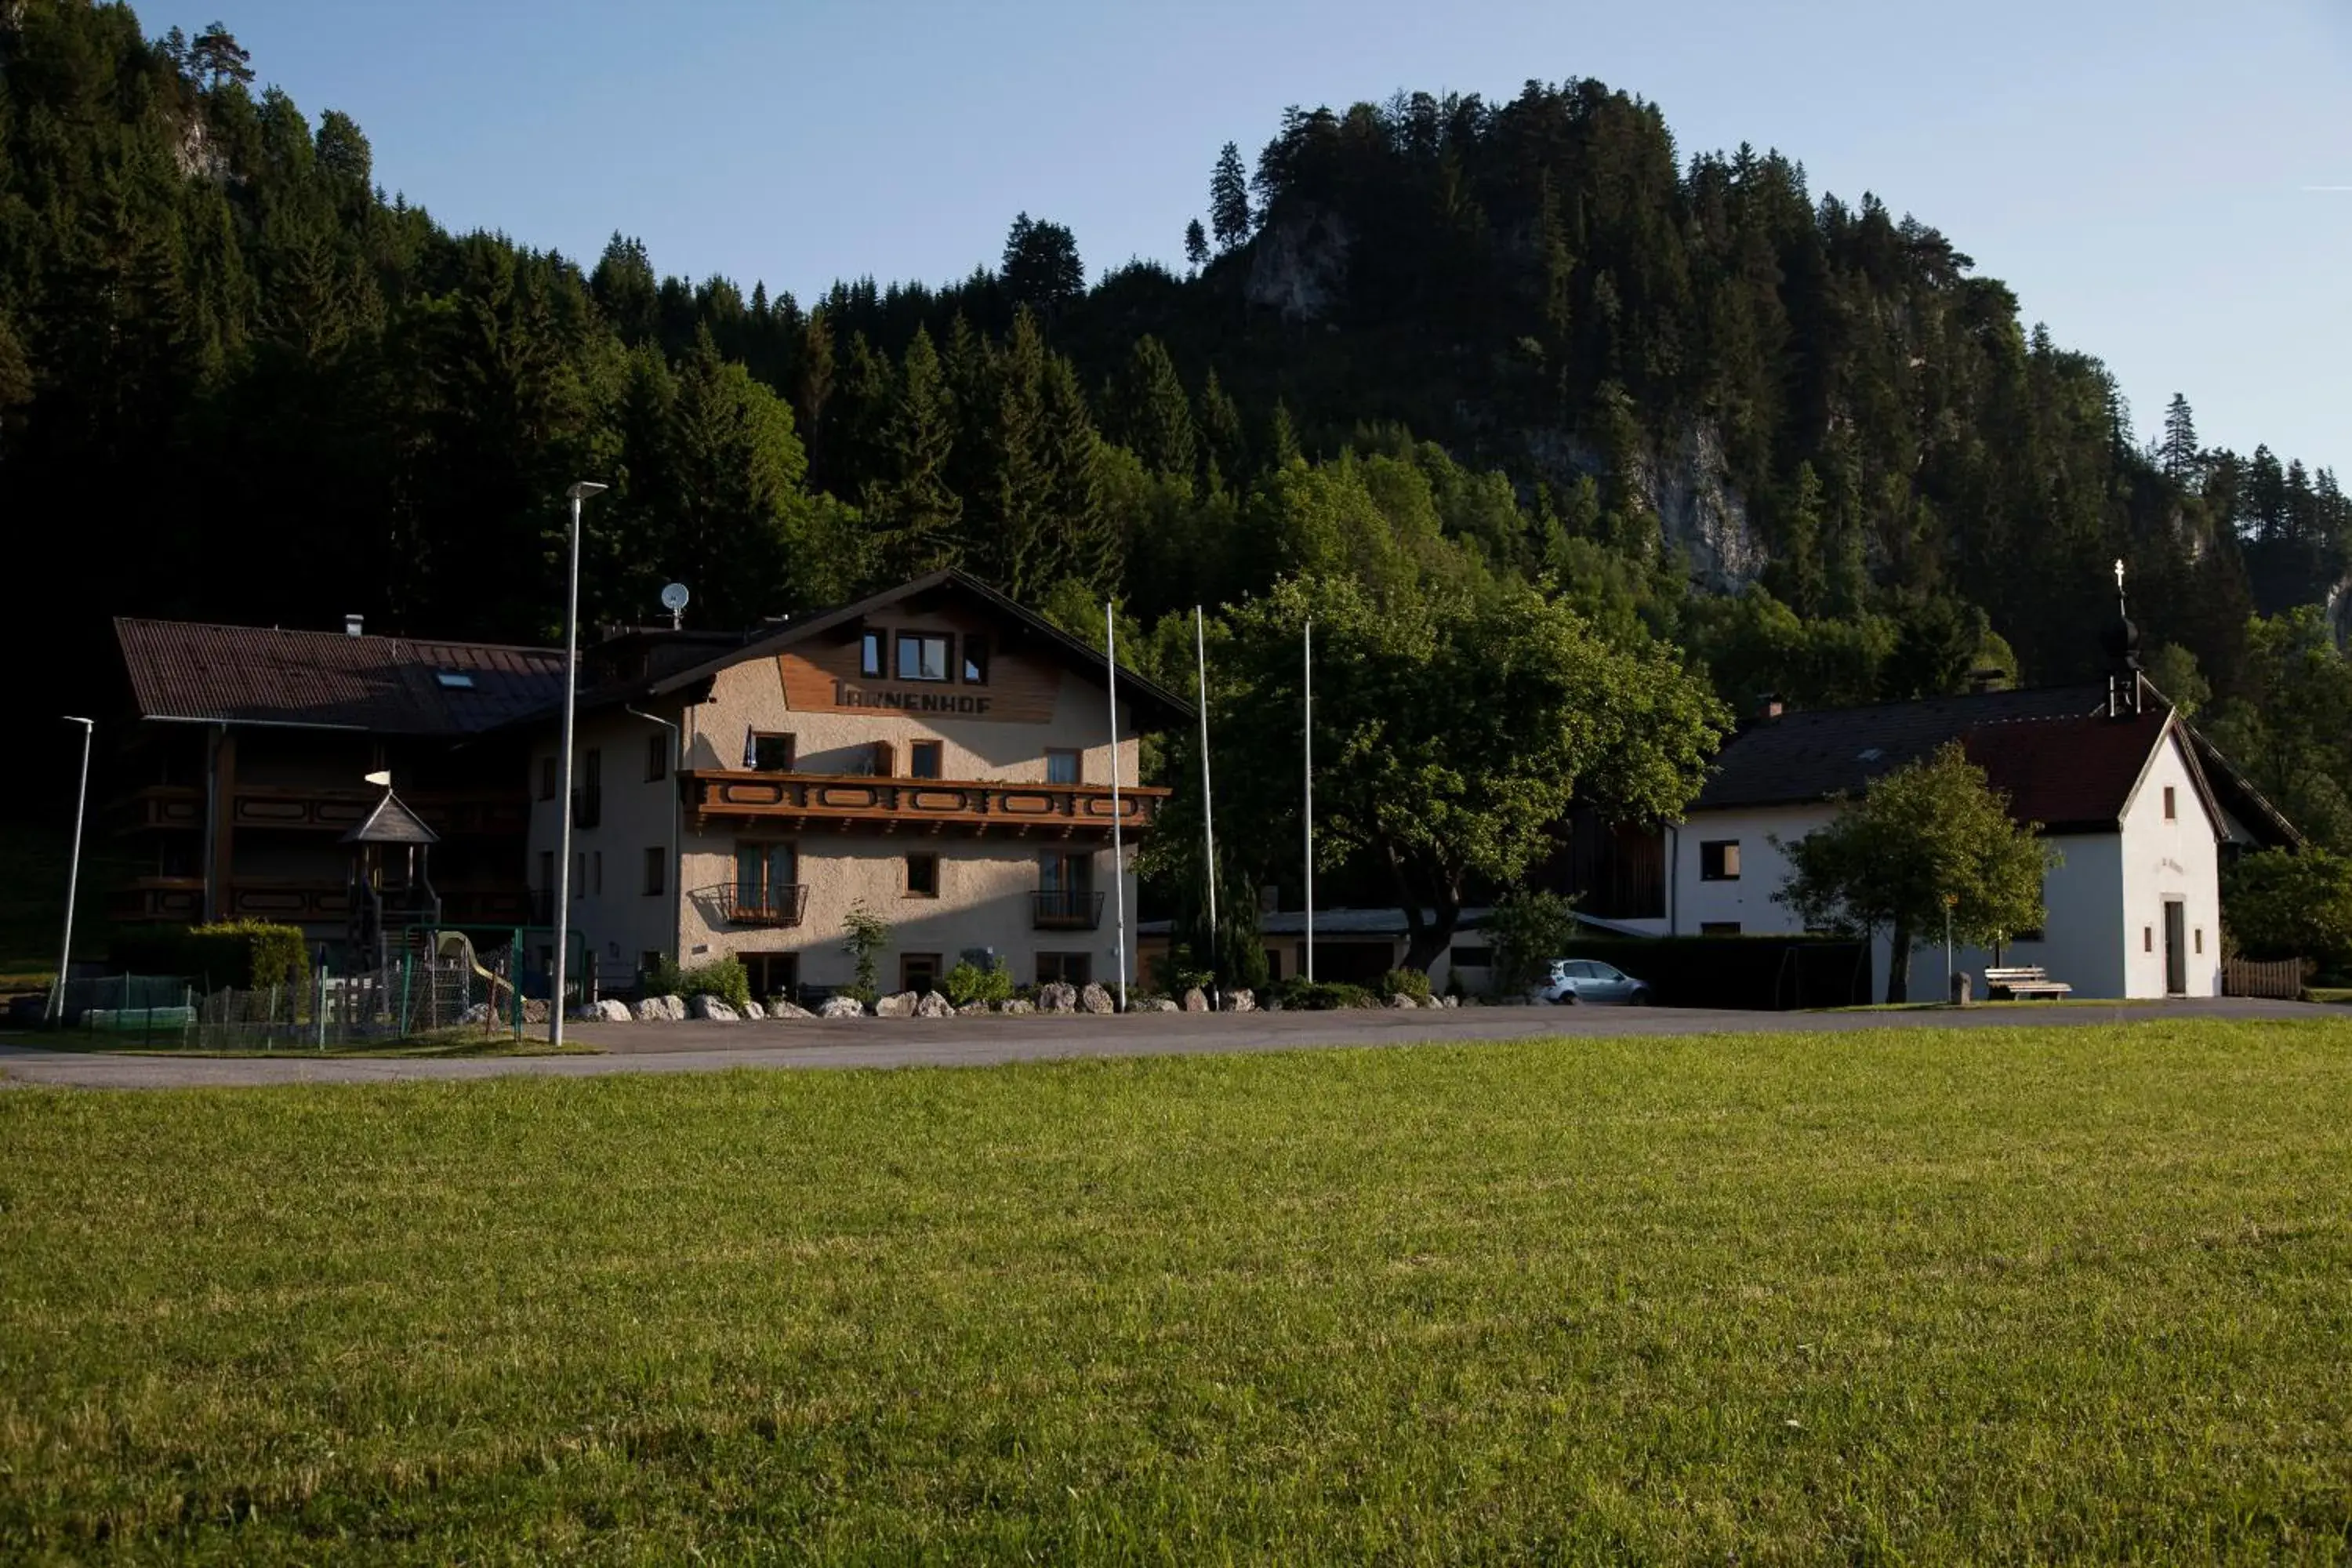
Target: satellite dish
674	598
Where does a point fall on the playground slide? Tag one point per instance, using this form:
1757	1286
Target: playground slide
457	944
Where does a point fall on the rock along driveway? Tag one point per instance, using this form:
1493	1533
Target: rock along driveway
977	1042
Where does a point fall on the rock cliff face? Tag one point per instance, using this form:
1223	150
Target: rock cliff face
1299	267
1700	511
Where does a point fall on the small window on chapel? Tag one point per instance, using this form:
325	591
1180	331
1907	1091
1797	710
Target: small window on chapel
2171	804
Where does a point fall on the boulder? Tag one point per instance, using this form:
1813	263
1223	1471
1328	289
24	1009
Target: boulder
1154	1005
1019	1004
972	1009
1095	999
1196	1000
608	1011
1059	997
840	1008
753	1010
779	1007
479	1013
1241	1001
901	1006
1451	1001
661	1009
716	1010
931	1004
1401	1000
534	1011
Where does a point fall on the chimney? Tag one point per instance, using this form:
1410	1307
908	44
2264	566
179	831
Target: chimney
351	625
1269	899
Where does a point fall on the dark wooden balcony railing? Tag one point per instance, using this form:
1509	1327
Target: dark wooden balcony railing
1065	909
1020	810
322	807
302	901
738	905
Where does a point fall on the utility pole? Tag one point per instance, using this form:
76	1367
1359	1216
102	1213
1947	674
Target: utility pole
73	875
578	493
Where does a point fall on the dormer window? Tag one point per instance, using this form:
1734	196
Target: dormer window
454	679
922	655
975	658
870	654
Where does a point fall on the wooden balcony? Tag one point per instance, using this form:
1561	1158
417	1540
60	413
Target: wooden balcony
323	808
180	900
802	801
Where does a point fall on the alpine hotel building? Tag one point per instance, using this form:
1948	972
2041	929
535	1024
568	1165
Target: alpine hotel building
936	753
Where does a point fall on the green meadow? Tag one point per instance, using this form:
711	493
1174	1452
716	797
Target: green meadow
2017	1295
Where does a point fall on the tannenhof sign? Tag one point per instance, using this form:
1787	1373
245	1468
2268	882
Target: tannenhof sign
1021	689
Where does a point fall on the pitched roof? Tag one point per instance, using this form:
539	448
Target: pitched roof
2073	774
392	823
1803	757
328	680
1074	652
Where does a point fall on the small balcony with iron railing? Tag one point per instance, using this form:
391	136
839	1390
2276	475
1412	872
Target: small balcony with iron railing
1065	909
739	904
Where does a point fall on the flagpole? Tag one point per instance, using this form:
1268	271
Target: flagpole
1208	809
1117	839
1310	803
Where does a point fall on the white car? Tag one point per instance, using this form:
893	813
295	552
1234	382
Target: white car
1578	980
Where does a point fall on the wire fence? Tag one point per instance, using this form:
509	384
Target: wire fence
417	996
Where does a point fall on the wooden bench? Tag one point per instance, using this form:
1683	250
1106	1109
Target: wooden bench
2017	985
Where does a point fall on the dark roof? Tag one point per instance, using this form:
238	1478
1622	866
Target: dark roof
328	680
1803	757
2073	774
1074	653
392	823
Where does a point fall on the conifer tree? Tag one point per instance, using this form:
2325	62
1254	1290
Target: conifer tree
1155	416
1229	200
1196	245
1282	449
913	509
1224	449
2179	453
1082	535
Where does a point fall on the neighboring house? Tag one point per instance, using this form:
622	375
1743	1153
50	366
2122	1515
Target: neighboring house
936	753
249	758
2140	806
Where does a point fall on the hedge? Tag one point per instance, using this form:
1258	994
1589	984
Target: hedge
1746	972
242	956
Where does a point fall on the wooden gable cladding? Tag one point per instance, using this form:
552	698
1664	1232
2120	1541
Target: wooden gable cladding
823	676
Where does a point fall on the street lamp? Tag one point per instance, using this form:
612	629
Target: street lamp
73	875
578	493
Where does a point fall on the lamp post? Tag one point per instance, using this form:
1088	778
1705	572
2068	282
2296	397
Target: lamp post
73	875
578	493
1950	899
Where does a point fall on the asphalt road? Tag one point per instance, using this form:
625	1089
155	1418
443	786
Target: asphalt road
976	1042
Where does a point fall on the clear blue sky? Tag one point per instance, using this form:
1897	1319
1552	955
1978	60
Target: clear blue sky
2137	170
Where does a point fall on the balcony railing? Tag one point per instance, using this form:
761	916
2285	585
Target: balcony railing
1020	810
1065	909
302	901
322	807
738	905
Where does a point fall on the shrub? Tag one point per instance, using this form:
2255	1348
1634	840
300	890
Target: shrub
1320	996
1177	971
2279	904
863	935
1529	930
1410	983
968	982
724	978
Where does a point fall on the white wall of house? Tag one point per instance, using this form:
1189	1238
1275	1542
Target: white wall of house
2166	859
2104	931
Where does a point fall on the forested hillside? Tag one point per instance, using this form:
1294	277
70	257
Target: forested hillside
1797	437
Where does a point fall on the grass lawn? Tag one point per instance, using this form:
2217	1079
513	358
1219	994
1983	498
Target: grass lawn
2000	1295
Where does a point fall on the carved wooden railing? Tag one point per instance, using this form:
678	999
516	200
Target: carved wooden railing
983	806
324	808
